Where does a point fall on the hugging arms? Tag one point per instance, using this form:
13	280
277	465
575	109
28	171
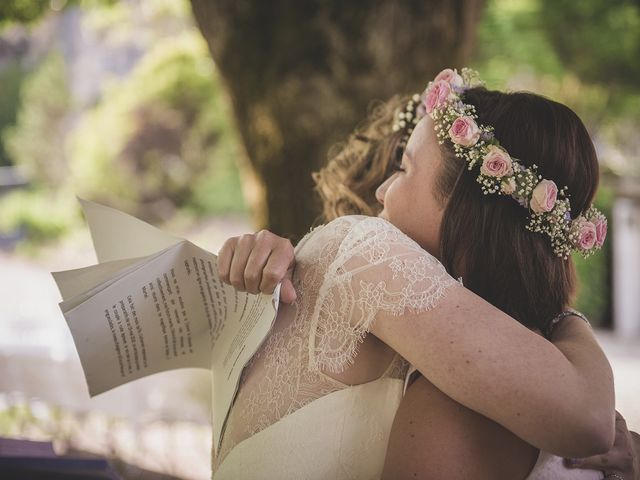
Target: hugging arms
257	262
556	397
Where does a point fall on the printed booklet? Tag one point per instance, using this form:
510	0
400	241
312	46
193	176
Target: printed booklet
154	302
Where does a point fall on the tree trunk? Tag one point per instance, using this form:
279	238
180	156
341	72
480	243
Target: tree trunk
301	74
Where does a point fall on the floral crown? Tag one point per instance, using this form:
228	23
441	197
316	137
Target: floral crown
501	174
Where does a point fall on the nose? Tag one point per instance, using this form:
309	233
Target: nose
382	190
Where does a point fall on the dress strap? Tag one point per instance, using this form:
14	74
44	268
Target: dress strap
548	331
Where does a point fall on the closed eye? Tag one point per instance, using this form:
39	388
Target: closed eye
397	164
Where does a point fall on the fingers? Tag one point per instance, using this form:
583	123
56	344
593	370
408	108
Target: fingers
239	261
277	266
225	255
255	267
596	462
287	292
257	263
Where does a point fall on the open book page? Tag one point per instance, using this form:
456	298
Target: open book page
132	317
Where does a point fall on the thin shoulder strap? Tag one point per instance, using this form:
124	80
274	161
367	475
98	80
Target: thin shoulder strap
558	318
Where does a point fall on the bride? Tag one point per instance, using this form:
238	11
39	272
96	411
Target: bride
319	398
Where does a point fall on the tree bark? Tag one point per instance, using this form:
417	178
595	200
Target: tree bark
301	74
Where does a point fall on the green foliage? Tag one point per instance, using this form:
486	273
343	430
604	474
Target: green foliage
161	138
23	11
220	190
599	41
41	215
580	53
13	418
28	11
157	141
11	78
511	39
36	142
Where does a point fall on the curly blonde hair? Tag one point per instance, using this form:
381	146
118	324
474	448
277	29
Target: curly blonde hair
348	182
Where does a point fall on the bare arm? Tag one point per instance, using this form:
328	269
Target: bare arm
558	398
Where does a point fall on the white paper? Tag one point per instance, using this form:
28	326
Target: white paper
156	303
117	236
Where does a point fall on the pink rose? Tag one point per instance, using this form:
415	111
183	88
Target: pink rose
586	233
437	95
544	196
450	76
508	185
464	131
601	230
496	163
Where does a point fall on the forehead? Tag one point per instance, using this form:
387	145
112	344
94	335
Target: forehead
423	143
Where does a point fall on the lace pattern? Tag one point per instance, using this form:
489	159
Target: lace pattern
377	269
347	272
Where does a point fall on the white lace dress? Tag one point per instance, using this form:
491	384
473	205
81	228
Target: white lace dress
290	418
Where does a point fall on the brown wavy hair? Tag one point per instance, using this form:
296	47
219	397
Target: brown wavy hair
347	184
483	237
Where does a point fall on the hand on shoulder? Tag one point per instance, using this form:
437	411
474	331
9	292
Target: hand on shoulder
257	262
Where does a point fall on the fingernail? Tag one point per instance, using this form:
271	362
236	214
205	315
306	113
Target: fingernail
570	462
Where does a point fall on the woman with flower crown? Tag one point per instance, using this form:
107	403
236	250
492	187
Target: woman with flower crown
319	397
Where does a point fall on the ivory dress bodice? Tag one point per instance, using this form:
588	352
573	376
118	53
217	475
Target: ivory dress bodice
291	419
347	272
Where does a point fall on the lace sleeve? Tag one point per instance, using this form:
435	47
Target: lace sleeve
375	269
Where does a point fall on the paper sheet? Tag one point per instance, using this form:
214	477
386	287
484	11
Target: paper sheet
155	303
